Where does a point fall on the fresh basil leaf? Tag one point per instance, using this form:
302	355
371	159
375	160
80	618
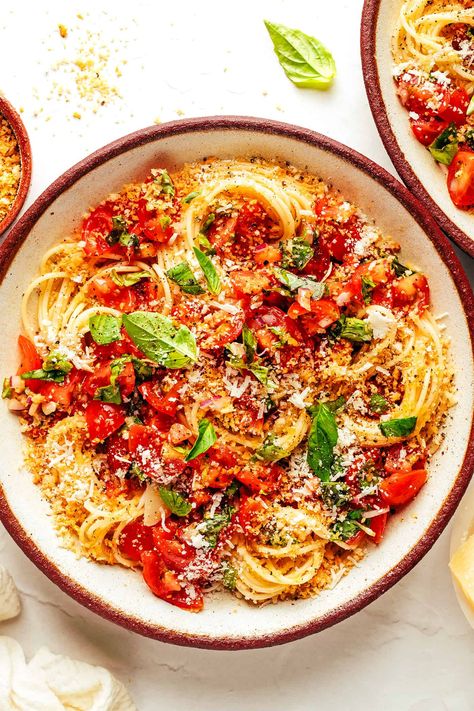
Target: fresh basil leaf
173	501
353	329
167	187
270	451
127	278
209	271
211	527
159	339
57	362
401	427
7	388
229	577
203	242
296	253
205	439
250	343
56	376
304	59
128	239
322	439
108	393
119	227
105	328
445	146
294	282
143	370
208	222
335	493
182	275
346	529
367	286
135	471
284	338
400	269
190	196
378	404
260	371
335	405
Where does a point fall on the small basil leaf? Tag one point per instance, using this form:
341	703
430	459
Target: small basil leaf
322	439
250	343
167	187
119	227
229	577
7	389
159	339
209	271
173	501
400	269
378	404
105	328
445	146
296	253
211	527
57	362
367	286
203	242
182	275
127	278
190	196
305	61
109	393
353	329
293	282
205	439
208	222
143	370
56	376
401	427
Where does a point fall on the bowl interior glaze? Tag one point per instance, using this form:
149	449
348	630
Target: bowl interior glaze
227	622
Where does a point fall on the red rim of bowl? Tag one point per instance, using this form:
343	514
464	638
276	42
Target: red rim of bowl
368	32
446	254
18	127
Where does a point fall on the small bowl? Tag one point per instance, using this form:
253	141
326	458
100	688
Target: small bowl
13	117
413	162
226	622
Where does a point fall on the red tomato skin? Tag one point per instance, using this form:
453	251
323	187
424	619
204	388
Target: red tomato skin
166	403
29	360
176	555
461	179
267	317
249	510
95	230
135	539
378	524
164	584
249	283
118	459
103	418
401	487
267	254
122	298
411	290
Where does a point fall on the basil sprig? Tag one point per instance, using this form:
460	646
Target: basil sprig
250	343
293	282
322	439
159	339
353	329
183	276
445	146
105	328
55	368
205	439
127	278
175	502
120	234
296	253
304	59
401	427
209	271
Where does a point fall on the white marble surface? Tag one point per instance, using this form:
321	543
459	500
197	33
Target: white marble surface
410	650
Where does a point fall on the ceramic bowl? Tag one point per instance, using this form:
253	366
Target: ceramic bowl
12	116
226	622
413	162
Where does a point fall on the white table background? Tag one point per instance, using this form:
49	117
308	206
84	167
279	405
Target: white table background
409	650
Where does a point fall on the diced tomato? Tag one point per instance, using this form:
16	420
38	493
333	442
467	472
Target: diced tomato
378	524
249	283
271	317
401	459
166	403
379	271
122	298
267	254
95	230
253	222
61	393
177	555
222	328
124	346
173	464
402	487
324	312
427	129
103	418
356	539
126	380
118	456
98	379
29	360
339	238
221	233
410	290
135	539
164	584
142	436
259	478
178	433
217	467
455	111
147	294
319	264
461	179
249	513
152	225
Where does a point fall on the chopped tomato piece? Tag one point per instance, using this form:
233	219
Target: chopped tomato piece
250	511
426	130
221	233
461	179
177	555
135	539
324	312
122	298
268	321
259	477
166	403
62	393
95	230
356	539
378	524
402	487
401	459
118	456
164	584
249	283
103	418
410	290
152	225
29	360
267	254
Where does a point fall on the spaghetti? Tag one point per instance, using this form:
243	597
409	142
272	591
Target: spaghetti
228	378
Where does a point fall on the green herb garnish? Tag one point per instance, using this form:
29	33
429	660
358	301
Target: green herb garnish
322	439
176	503
209	271
183	276
378	404
159	339
205	439
353	329
293	282
401	427
296	253
367	286
445	146
105	328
